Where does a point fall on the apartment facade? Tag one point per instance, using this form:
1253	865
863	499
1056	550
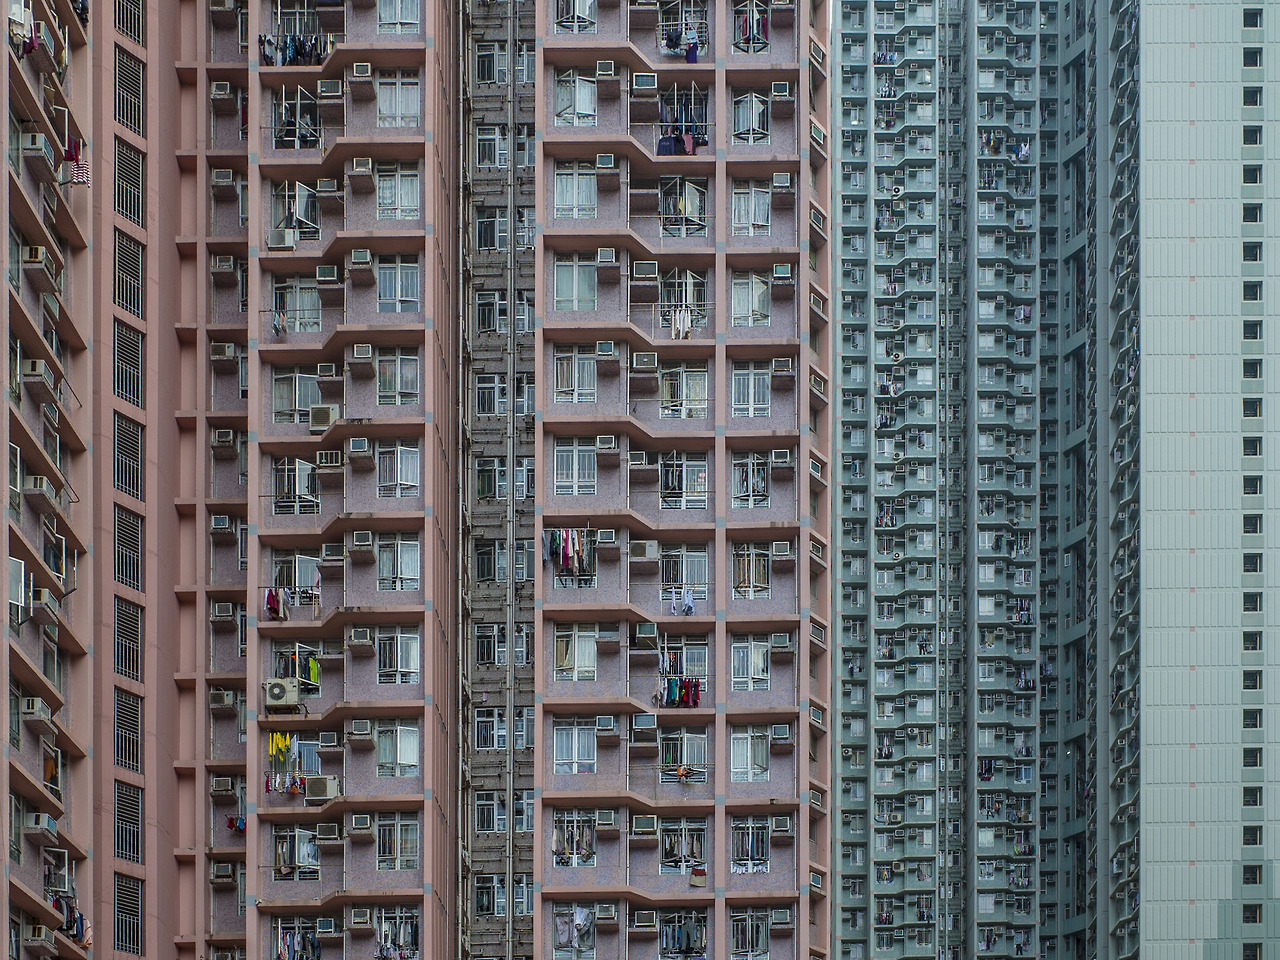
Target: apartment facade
1005	301
297	340
681	351
51	888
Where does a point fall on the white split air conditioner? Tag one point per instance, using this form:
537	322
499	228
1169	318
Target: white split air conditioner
323	415
282	692
320	789
282	239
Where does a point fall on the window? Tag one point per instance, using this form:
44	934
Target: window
399	98
130	255
399	654
127	350
491	560
1252	18
129	87
1252	136
749	753
752	380
752	570
1251	446
750	479
397	742
296	301
399	561
490	812
1252	330
683	207
1252	602
491	228
398	192
398	841
682	391
682	301
575	466
683	481
575	16
749	934
1252	757
752	203
575	195
398	16
751	26
749	844
130	182
682	844
1251	370
296	492
1252	523
751	118
750	303
1252	485
491	146
1251	874
574	745
685	572
1251	913
491	644
128	639
1252	407
575	370
573	838
1251	213
576	651
1252	797
399	467
524	811
574	931
128	456
398	285
130	20
1251	720
575	102
575	282
398	376
1252	640
491	729
128	548
682	933
682	752
17	817
490	895
128	915
749	663
1253	56
1251	252
491	63
128	731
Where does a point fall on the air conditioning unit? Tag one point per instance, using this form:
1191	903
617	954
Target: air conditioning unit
784	366
222	873
361	540
37	715
606	256
362	257
326	927
644	362
780	733
647	631
320	789
361	917
781	824
323	415
329	740
358	448
361	638
221	786
783	550
644	920
219	89
282	239
782	181
606	819
607	913
282	692
329	186
327	273
328	89
328	831
332	553
606	350
606	726
223	610
606	538
361	823
644	270
644	84
38	938
361	729
783	273
780	643
362	71
644	825
781	459
606	161
41	828
781	90
644	550
326	371
780	917
327	459
605	69
220	523
816	880
222	177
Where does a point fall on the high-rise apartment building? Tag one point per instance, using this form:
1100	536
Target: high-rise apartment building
1051	742
232	657
543	510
